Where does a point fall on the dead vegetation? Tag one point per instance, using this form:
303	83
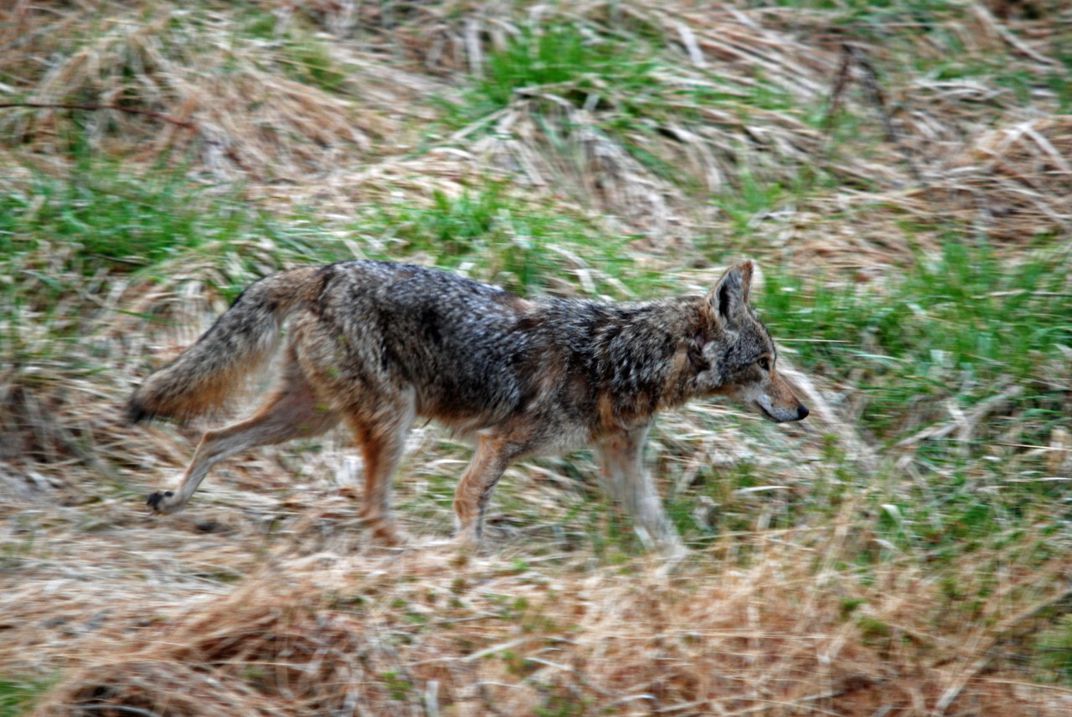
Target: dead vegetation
422	631
832	572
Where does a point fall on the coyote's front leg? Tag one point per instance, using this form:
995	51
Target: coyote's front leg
625	478
493	454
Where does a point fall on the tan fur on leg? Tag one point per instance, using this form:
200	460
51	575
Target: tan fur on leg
291	412
630	484
382	443
474	490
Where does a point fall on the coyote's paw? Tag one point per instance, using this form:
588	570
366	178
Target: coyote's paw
383	532
466	542
162	502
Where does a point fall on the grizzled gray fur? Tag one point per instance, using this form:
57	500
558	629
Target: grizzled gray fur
379	344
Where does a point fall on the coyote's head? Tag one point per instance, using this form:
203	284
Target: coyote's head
739	355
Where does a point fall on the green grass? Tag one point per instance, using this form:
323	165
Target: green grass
310	62
60	234
299	53
61	238
955	328
619	74
961	325
562	59
110	218
750	201
1054	651
996	71
502	239
17	696
883	17
619	80
100	218
948	330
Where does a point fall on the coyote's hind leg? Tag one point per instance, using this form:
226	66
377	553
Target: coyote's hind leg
291	412
381	433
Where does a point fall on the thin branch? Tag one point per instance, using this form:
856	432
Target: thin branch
96	107
878	98
853	55
841	81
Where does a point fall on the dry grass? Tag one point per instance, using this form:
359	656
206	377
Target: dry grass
372	632
822	580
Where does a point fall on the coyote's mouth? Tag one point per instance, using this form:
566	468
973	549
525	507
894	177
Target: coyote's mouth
768	414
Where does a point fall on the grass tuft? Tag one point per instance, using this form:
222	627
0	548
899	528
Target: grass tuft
18	696
960	325
907	544
506	240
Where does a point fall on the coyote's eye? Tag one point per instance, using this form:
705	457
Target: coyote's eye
764	363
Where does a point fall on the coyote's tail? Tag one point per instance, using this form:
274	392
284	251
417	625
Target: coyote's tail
205	374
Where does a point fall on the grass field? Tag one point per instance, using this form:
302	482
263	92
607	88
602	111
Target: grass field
900	170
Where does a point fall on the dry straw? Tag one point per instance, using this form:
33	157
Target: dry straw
265	598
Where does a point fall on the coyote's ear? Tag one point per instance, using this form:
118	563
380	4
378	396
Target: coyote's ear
730	294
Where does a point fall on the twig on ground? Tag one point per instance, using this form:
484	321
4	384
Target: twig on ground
91	107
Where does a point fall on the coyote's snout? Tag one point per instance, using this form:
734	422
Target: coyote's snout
377	345
776	400
771	394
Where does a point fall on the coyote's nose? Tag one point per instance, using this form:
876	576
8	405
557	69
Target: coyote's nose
802	412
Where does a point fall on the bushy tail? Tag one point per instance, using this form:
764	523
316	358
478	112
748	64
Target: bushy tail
204	375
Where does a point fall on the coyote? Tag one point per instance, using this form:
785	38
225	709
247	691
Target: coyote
379	344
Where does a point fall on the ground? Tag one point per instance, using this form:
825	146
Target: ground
900	172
